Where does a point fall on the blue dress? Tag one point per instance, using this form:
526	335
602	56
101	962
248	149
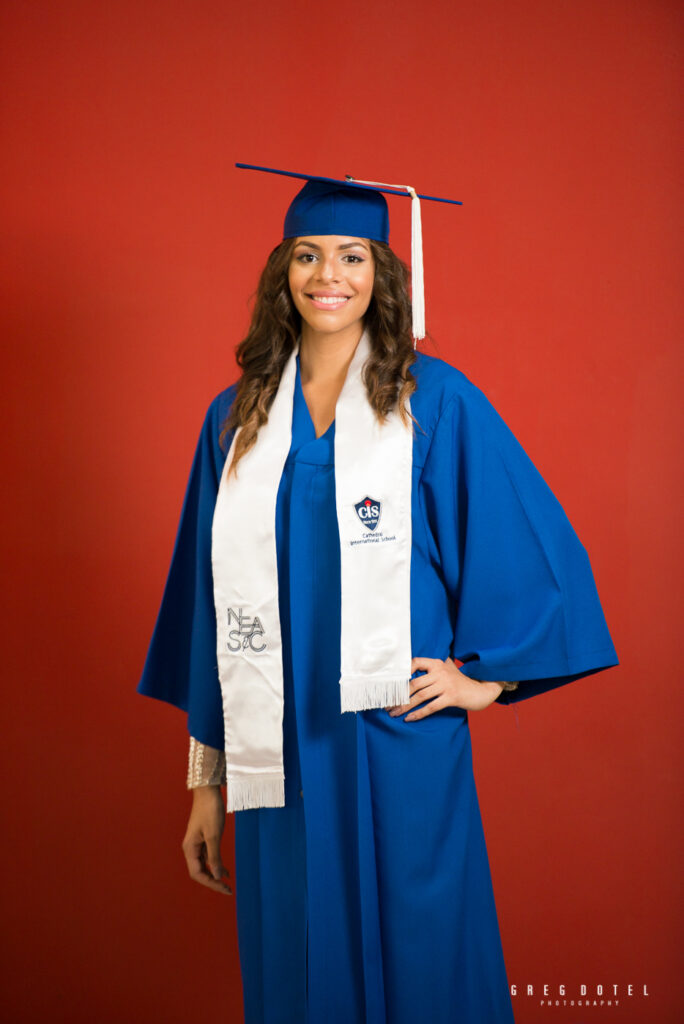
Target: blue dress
368	897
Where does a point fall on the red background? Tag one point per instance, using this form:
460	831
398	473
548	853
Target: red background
131	247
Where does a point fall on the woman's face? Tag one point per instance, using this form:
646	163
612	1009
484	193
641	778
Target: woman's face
331	280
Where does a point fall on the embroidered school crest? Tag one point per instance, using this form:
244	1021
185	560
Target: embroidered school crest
368	510
247	634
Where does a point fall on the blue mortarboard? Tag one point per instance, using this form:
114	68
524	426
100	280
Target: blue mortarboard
325	208
331	206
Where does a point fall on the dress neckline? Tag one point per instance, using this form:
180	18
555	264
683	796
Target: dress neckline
298	385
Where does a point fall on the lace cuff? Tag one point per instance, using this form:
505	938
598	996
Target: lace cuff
206	765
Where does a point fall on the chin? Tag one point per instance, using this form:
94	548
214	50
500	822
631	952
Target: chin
328	326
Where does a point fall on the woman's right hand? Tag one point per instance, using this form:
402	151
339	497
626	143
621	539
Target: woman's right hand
202	840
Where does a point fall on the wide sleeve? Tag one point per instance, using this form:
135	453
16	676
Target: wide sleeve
525	603
181	664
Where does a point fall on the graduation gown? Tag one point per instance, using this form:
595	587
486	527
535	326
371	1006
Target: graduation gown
368	897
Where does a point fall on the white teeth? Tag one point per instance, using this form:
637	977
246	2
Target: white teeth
330	300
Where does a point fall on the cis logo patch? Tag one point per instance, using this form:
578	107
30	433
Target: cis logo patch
368	510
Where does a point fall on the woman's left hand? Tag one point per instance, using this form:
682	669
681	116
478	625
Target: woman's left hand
443	686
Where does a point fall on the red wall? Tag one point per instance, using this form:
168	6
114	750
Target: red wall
130	249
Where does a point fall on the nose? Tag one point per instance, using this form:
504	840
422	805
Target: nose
328	268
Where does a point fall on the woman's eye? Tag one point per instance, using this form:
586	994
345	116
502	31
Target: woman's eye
309	257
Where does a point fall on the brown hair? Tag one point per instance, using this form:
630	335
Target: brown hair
276	325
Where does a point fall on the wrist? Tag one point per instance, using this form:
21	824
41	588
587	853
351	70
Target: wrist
206	791
495	688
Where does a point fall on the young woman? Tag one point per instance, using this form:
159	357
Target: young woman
369	555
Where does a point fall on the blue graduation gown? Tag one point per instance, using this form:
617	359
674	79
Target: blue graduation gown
368	897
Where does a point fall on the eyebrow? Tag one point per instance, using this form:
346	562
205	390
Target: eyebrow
347	245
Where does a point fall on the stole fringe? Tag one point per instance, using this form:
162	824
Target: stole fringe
364	694
244	792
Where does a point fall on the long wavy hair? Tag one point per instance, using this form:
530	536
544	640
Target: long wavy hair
275	328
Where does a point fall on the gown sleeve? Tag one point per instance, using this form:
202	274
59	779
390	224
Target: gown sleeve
181	664
524	600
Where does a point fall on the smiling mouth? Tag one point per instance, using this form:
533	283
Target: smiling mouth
328	300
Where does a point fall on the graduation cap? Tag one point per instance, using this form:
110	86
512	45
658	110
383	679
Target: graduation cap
356	207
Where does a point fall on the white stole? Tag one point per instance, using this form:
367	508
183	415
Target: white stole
373	469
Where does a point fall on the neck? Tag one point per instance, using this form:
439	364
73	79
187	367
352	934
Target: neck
324	357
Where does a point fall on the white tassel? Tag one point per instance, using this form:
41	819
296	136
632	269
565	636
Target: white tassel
417	283
246	791
363	694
